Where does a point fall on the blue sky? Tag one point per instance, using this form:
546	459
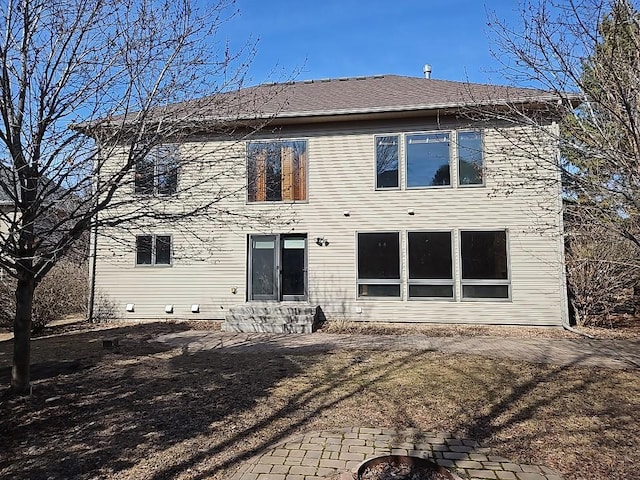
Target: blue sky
313	39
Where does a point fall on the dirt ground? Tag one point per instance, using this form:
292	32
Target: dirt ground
145	411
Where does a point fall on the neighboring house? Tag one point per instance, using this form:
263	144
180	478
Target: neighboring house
402	209
7	216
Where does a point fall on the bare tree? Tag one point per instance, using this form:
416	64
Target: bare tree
584	56
86	81
602	273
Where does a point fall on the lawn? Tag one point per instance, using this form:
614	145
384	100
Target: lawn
150	412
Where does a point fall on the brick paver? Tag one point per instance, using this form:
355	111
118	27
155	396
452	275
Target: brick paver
282	461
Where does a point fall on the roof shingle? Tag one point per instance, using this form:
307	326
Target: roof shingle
382	93
334	99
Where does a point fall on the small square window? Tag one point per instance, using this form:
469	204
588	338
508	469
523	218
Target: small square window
153	250
276	171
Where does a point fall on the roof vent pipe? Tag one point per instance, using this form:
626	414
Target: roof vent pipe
427	70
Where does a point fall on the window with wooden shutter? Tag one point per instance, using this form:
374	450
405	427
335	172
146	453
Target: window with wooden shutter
276	171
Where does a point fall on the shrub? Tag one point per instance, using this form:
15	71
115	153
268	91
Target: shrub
7	301
602	274
62	292
104	308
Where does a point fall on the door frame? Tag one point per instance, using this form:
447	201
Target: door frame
278	246
275	278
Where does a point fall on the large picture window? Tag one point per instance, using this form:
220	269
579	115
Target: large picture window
157	172
379	264
387	162
276	171
427	159
153	250
430	265
484	264
470	163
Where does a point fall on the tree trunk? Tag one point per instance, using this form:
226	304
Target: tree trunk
21	371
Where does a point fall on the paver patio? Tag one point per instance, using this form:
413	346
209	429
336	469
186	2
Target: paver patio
318	455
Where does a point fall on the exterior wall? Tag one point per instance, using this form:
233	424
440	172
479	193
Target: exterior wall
211	270
7	216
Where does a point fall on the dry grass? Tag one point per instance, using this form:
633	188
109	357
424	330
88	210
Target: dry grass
148	412
620	327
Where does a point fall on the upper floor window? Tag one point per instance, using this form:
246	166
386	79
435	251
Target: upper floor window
387	162
157	172
427	159
470	162
153	250
276	171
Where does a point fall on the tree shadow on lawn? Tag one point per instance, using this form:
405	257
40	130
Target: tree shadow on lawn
164	414
68	353
159	413
584	414
292	415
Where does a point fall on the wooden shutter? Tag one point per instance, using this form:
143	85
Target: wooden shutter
301	177
261	176
287	159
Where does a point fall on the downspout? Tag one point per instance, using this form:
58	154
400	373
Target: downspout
94	247
92	277
568	327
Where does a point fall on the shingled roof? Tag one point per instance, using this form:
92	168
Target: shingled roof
381	94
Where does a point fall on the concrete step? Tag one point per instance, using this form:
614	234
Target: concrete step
253	327
276	318
271	318
272	310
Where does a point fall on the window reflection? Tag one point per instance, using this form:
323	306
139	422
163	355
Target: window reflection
428	160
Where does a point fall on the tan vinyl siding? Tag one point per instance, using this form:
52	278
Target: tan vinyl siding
340	176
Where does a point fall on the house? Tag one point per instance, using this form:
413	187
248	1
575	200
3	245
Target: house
391	202
7	215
